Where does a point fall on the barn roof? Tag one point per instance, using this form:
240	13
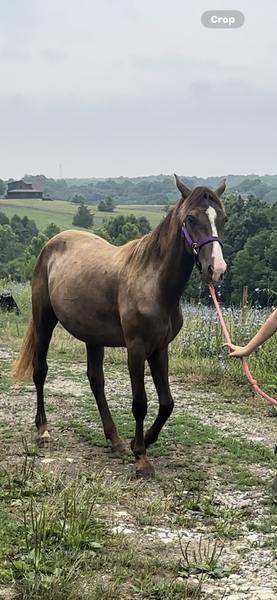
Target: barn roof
25	191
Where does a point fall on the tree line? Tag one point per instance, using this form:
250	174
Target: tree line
20	245
21	241
250	242
160	190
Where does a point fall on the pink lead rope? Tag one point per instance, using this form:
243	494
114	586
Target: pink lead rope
244	363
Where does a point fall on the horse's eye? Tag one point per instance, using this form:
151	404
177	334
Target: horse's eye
191	220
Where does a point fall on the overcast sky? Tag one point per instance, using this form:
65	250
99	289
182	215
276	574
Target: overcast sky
136	87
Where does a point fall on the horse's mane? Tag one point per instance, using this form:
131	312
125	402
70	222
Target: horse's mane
154	245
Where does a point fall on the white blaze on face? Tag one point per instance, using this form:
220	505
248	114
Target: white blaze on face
219	264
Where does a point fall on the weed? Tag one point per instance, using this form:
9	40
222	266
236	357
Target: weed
154	589
206	561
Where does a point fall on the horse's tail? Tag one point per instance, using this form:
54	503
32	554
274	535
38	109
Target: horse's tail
23	368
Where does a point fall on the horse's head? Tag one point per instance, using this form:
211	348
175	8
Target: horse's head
202	216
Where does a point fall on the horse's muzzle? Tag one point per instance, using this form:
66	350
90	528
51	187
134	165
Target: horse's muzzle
217	275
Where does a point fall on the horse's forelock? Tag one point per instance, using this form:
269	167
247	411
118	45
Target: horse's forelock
199	198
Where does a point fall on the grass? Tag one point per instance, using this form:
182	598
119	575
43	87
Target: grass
45	212
59	506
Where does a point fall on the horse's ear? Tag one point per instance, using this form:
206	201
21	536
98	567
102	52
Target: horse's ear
182	187
220	188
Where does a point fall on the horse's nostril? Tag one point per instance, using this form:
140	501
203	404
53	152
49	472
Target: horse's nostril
215	275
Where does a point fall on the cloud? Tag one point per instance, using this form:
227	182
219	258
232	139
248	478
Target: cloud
18	19
228	129
11	53
51	55
134	87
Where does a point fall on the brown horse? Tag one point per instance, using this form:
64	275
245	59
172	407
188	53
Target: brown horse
125	296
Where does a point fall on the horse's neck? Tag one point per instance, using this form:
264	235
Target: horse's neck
175	266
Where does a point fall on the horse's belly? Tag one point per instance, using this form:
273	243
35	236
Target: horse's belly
94	326
103	334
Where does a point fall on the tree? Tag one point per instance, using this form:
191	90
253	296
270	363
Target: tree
51	230
37	244
129	232
78	199
117	232
251	267
2	188
143	225
83	217
30	256
113	226
246	219
14	269
28	266
24	228
106	205
103	234
10	247
4	220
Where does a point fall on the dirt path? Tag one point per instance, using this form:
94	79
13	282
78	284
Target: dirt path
214	471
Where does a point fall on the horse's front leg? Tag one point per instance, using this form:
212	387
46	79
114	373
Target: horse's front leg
95	355
136	361
158	363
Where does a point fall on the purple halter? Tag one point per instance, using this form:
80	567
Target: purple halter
196	245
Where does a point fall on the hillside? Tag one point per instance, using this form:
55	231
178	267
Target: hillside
61	212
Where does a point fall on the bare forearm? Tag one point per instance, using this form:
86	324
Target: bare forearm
264	333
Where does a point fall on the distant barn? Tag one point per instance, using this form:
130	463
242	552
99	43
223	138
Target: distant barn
26	188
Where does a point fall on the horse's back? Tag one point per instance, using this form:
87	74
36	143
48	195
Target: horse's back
72	242
70	251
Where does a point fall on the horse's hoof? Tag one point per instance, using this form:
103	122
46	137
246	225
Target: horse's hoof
43	441
146	472
144	469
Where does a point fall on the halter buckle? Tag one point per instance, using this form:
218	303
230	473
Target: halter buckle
195	248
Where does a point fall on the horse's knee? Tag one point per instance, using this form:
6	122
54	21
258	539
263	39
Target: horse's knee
139	407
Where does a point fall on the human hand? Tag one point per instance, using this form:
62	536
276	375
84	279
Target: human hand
236	351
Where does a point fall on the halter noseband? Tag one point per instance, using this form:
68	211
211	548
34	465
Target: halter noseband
195	246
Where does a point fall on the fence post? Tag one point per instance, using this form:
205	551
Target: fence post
244	304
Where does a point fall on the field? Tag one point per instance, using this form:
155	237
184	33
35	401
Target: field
61	213
74	521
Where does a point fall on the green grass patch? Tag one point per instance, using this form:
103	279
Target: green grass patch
62	213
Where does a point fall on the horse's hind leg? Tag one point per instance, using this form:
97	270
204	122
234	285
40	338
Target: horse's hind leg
158	363
95	355
43	336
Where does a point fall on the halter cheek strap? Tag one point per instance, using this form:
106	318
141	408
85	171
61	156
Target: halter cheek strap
195	246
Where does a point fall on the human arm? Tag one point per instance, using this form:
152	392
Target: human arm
264	333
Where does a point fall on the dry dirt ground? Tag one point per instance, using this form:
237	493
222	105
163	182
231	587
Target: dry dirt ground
228	441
